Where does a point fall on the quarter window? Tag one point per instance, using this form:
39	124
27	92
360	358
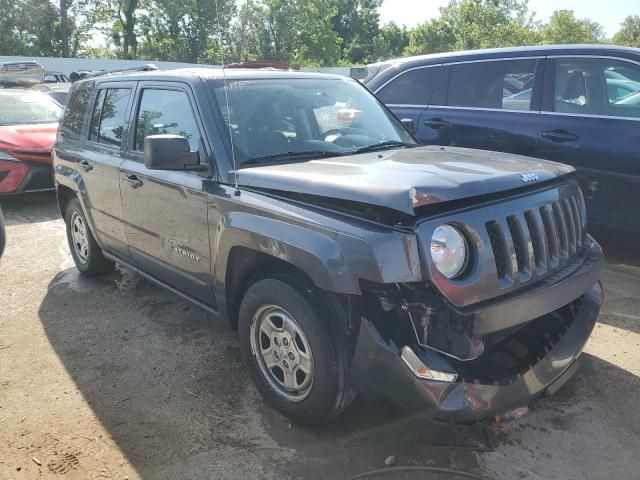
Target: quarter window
595	86
166	112
109	114
76	110
410	88
502	84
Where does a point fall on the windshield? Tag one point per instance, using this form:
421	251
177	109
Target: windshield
291	118
26	108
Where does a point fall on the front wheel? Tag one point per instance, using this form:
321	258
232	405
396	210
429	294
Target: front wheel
85	251
296	363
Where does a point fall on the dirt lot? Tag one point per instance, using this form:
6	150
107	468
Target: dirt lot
116	378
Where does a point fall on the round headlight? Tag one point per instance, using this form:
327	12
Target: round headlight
449	251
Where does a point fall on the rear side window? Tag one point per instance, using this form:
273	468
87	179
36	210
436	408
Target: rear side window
166	111
76	110
413	87
109	114
503	84
597	86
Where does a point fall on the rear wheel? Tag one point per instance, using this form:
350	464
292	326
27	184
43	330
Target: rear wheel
296	363
85	251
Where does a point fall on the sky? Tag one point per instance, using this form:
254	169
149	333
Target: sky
608	14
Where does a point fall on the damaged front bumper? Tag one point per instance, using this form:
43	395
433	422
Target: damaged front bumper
536	356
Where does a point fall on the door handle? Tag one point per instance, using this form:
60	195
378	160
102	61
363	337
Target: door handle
560	136
436	123
132	180
86	166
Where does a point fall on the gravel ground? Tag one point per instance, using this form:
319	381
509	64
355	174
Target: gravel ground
114	378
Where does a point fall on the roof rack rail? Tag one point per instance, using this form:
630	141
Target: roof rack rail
149	67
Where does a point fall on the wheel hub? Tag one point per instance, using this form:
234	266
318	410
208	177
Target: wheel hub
79	237
282	352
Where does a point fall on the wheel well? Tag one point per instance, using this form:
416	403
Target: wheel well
65	194
245	266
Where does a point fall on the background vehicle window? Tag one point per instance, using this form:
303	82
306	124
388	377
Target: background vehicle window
76	109
166	111
28	108
596	86
108	118
411	88
504	84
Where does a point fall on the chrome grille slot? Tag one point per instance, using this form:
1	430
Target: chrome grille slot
538	240
522	245
578	221
562	231
551	230
500	249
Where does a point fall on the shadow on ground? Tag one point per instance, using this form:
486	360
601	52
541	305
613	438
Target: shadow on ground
167	382
29	208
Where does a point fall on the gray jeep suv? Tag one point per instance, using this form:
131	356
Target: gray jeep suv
458	283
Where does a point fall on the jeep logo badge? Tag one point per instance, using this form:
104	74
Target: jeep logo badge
529	177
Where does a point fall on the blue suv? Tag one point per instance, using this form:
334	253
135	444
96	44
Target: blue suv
576	104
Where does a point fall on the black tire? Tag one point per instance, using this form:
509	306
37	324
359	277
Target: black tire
329	393
93	262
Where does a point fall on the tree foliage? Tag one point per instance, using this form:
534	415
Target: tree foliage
564	27
301	32
629	34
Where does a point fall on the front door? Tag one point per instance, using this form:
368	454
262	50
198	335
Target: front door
591	111
166	212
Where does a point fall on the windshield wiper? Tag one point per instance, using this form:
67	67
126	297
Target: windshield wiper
383	145
292	156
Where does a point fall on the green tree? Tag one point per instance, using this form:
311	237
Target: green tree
391	41
470	24
629	34
564	27
357	25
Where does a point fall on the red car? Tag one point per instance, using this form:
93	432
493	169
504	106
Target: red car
28	126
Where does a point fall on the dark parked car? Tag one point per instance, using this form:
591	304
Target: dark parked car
459	283
578	105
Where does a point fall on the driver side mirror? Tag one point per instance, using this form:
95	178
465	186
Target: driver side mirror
170	152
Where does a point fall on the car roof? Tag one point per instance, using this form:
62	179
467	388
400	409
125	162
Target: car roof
203	73
20	91
514	51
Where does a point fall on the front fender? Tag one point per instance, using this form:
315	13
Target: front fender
334	261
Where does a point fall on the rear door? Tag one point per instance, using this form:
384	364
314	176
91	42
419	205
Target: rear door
100	157
487	104
407	94
591	110
166	212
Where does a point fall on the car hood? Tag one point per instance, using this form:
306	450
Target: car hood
405	179
29	142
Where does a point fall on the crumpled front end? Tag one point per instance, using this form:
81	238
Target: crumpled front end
516	364
513	328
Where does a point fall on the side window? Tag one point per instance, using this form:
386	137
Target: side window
166	111
108	117
410	88
502	84
76	110
595	86
95	115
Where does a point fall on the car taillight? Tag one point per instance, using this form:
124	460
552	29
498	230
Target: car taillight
13	174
